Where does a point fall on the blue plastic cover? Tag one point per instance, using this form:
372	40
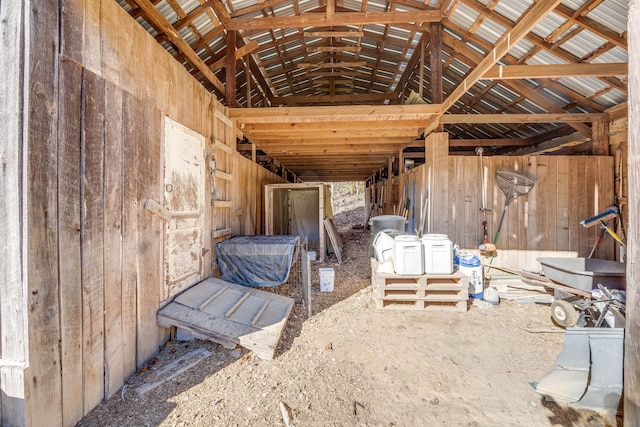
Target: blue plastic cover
256	260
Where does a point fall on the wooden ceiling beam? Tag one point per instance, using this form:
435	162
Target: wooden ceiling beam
341	64
503	142
350	125
333	48
325	132
525	118
339	18
555	71
326	34
368	141
316	99
324	114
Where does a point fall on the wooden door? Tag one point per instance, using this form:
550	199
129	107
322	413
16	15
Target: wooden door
184	182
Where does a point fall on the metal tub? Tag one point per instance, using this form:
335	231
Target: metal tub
585	273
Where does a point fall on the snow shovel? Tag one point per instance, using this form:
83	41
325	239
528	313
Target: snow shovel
512	183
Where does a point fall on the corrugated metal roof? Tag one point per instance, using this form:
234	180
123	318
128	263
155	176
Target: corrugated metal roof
583	44
464	16
574	4
490	31
545	58
611	14
585	86
188	5
167	11
548	25
614	55
512	9
521	49
611	98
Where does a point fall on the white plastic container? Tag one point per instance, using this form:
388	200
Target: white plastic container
438	254
471	266
408	258
383	245
326	279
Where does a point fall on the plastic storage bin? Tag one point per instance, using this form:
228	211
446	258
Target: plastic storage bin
438	254
408	257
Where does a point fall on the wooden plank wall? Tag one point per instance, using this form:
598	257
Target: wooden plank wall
632	326
545	222
13	287
76	183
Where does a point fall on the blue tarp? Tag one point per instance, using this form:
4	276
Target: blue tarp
256	260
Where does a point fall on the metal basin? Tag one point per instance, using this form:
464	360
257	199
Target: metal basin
585	273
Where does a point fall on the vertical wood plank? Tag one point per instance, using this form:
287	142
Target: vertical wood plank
92	40
149	238
437	153
130	119
113	342
92	231
591	202
457	210
578	200
111	16
632	326
72	23
69	142
41	205
13	287
562	205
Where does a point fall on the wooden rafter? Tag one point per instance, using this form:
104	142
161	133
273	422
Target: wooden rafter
321	20
510	72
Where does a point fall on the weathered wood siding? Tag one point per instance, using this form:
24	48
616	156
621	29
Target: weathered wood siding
544	222
82	150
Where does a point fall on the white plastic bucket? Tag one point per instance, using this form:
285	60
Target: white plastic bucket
383	246
438	254
471	266
326	279
407	257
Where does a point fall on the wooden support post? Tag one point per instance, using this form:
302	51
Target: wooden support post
435	59
388	199
600	138
437	162
247	73
632	327
230	84
421	73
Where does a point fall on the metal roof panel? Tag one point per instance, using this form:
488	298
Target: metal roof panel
464	16
512	9
612	14
582	44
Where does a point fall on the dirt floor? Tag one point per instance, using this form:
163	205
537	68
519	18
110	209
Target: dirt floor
354	365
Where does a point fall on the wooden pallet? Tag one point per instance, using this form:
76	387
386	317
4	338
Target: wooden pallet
448	292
